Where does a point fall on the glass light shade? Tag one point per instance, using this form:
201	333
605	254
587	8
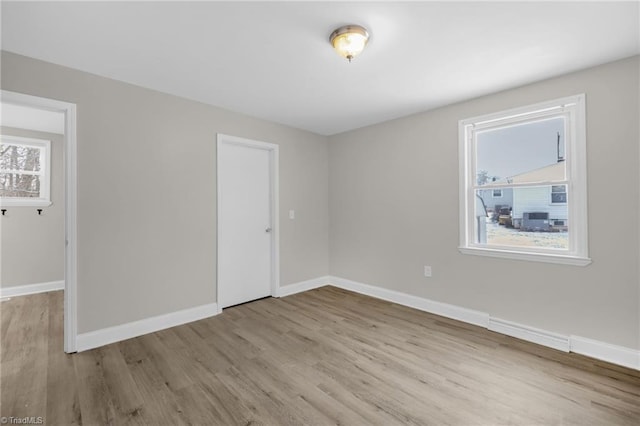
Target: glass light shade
349	41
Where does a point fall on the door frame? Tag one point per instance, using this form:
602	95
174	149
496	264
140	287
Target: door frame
70	204
274	196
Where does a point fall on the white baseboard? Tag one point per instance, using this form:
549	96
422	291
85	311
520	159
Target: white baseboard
443	309
619	355
530	334
605	351
23	290
290	289
105	336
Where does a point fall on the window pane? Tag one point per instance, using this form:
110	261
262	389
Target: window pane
18	157
523	217
19	185
558	194
523	153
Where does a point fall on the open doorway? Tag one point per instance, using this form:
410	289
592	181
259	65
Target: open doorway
40	134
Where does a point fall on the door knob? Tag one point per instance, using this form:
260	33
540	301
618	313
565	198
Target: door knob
268	229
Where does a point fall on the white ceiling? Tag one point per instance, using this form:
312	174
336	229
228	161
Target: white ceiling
273	60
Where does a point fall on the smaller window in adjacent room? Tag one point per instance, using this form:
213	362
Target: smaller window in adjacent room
534	160
24	171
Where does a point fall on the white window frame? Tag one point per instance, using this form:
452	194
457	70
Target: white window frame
44	199
572	108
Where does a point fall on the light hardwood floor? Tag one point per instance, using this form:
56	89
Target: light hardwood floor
326	356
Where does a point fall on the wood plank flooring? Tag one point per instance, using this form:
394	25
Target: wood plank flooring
322	357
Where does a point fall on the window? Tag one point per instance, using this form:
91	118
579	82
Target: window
24	171
558	194
534	159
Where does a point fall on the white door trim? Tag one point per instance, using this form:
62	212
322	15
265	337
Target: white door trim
71	200
274	152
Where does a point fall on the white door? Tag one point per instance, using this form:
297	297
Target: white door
245	225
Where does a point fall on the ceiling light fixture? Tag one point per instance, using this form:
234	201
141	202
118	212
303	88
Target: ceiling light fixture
349	41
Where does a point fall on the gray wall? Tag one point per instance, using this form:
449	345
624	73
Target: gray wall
147	243
32	246
146	240
385	224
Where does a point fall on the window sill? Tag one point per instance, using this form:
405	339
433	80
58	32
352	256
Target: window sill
8	202
532	257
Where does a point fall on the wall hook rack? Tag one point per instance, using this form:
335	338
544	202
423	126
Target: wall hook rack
39	211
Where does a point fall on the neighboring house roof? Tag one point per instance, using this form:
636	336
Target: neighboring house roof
552	172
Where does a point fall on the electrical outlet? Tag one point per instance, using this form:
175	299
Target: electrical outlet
292	214
427	271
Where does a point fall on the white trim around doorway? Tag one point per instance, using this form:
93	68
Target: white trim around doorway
71	201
